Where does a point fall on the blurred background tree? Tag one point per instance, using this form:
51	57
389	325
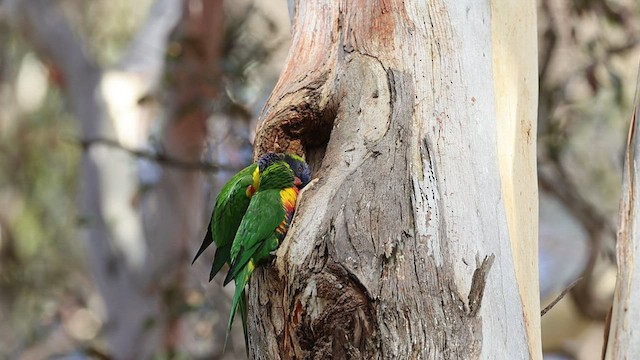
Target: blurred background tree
105	111
588	53
127	95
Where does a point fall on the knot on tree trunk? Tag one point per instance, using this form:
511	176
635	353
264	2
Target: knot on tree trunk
323	314
339	322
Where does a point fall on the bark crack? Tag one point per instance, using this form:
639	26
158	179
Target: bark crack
478	283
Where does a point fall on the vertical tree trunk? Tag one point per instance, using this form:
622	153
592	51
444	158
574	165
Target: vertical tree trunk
403	247
623	341
515	77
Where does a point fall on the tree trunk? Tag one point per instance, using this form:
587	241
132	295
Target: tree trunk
419	238
622	342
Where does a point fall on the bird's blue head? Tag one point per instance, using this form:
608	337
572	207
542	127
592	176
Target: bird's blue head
299	167
296	163
268	159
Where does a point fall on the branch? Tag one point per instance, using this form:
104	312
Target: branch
597	226
159	157
559	297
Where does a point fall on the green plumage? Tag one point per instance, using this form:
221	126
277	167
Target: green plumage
256	229
250	217
231	204
258	235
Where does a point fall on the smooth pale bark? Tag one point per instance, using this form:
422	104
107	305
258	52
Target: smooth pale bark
515	74
624	336
402	248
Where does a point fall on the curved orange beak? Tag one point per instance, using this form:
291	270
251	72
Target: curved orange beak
250	191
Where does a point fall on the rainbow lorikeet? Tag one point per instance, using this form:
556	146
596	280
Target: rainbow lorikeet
263	226
231	205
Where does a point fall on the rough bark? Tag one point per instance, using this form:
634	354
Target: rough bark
401	249
623	342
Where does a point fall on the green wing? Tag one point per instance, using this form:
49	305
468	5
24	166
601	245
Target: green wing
264	215
231	204
254	241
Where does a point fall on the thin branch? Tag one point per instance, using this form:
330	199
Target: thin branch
559	297
597	226
158	157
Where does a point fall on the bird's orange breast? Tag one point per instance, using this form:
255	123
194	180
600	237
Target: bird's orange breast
289	197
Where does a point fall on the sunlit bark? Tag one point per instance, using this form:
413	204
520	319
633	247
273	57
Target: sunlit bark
418	239
623	340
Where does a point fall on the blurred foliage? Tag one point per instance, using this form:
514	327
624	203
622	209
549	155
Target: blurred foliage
44	283
588	52
588	62
106	39
37	214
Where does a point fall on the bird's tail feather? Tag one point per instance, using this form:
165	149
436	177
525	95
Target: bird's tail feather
238	298
220	258
242	307
208	239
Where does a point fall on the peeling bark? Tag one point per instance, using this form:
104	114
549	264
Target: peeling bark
621	342
394	106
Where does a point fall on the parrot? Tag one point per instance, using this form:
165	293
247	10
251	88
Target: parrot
232	203
262	228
